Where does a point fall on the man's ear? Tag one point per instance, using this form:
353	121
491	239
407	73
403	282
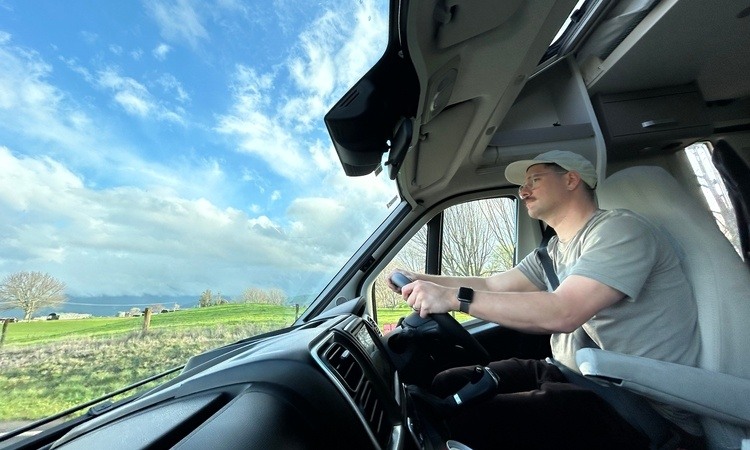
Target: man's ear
574	179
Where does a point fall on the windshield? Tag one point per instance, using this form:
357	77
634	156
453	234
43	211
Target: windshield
168	184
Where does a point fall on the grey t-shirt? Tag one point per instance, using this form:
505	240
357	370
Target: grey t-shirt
658	316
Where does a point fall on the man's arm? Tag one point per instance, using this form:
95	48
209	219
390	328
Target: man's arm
574	302
512	280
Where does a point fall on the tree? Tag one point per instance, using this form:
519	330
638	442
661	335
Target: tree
414	254
500	214
30	291
468	241
479	237
273	296
209	299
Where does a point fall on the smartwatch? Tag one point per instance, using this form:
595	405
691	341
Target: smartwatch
465	297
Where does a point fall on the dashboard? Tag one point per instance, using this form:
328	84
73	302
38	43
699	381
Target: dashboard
326	384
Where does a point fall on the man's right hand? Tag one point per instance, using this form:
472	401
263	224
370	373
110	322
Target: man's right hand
411	275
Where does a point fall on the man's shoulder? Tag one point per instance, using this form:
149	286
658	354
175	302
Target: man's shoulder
617	225
621	217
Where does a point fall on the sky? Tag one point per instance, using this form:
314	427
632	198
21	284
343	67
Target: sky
170	146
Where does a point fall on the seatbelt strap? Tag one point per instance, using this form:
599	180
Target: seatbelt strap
544	258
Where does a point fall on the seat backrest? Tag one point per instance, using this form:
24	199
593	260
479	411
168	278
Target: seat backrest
718	276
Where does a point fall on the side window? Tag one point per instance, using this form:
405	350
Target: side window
478	239
715	192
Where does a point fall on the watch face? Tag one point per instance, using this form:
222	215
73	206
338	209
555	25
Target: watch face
465	294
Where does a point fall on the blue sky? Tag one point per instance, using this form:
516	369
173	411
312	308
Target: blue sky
172	146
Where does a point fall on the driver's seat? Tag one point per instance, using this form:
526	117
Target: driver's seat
718	391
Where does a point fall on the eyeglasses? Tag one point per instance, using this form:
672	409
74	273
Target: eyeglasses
533	181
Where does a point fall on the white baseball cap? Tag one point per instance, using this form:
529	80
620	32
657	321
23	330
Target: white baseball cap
572	162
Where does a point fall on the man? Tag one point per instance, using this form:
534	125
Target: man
621	288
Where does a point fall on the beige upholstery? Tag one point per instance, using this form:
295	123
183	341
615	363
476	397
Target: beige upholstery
720	390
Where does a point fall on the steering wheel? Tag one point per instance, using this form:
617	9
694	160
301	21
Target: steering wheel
456	334
422	346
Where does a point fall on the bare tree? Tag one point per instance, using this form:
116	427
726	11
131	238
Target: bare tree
478	237
206	299
413	255
273	296
30	291
500	215
209	299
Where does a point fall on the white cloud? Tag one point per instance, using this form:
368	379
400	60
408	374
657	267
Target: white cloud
135	98
324	156
170	84
50	122
278	123
258	133
74	65
334	52
20	186
130	94
29	105
127	240
178	21
161	51
89	37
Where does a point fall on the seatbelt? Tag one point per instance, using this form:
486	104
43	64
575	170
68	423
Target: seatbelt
544	258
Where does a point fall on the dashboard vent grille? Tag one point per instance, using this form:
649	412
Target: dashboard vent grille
359	388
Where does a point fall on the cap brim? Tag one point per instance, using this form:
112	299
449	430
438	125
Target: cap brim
516	171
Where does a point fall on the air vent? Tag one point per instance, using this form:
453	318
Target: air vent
351	374
369	404
344	365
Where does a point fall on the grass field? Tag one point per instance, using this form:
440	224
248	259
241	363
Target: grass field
49	366
227	315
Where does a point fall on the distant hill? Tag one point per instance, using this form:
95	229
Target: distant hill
105	306
110	305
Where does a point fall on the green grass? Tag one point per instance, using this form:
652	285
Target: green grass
231	314
50	366
40	380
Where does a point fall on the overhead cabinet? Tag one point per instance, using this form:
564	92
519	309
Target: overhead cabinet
659	119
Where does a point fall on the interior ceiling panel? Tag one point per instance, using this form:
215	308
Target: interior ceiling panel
723	74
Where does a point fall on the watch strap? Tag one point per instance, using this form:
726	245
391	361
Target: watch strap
465	297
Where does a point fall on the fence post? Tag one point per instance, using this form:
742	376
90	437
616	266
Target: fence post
146	320
2	335
296	311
